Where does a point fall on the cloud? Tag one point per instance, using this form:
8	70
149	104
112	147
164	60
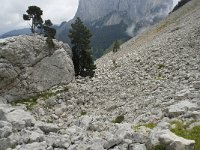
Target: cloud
55	10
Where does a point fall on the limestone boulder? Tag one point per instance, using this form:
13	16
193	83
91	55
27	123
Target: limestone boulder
29	66
5	129
14	119
180	108
20	119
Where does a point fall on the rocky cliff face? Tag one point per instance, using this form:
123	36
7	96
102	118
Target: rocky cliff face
28	66
131	12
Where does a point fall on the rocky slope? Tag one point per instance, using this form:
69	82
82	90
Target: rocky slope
151	82
28	66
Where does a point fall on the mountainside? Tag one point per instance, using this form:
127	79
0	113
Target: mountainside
129	11
139	97
116	20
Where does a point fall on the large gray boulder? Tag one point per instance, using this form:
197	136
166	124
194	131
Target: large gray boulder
28	66
14	119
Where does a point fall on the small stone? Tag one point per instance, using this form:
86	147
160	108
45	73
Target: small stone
47	127
84	122
55	116
137	146
196	85
58	111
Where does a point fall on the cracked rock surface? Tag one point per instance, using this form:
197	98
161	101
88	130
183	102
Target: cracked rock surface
29	66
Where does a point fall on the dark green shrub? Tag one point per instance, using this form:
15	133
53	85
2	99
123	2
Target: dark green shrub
118	119
50	42
83	113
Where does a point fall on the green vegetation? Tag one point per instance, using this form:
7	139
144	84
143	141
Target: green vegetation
114	63
192	134
116	46
49	33
159	147
120	42
34	14
83	113
118	119
136	128
159	76
82	59
104	36
50	42
150	125
160	66
32	101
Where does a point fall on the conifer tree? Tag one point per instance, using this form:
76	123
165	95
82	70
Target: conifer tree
82	59
116	46
48	30
34	13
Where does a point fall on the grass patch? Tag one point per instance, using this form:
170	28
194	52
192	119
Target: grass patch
32	101
136	128
150	125
160	77
191	134
118	119
159	147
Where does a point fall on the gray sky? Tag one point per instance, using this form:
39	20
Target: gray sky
56	10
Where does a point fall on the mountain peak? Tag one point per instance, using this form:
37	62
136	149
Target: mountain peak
91	10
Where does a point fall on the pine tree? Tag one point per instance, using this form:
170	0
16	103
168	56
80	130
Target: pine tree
49	32
34	13
116	46
82	59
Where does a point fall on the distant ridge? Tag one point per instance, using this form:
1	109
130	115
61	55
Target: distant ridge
16	33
